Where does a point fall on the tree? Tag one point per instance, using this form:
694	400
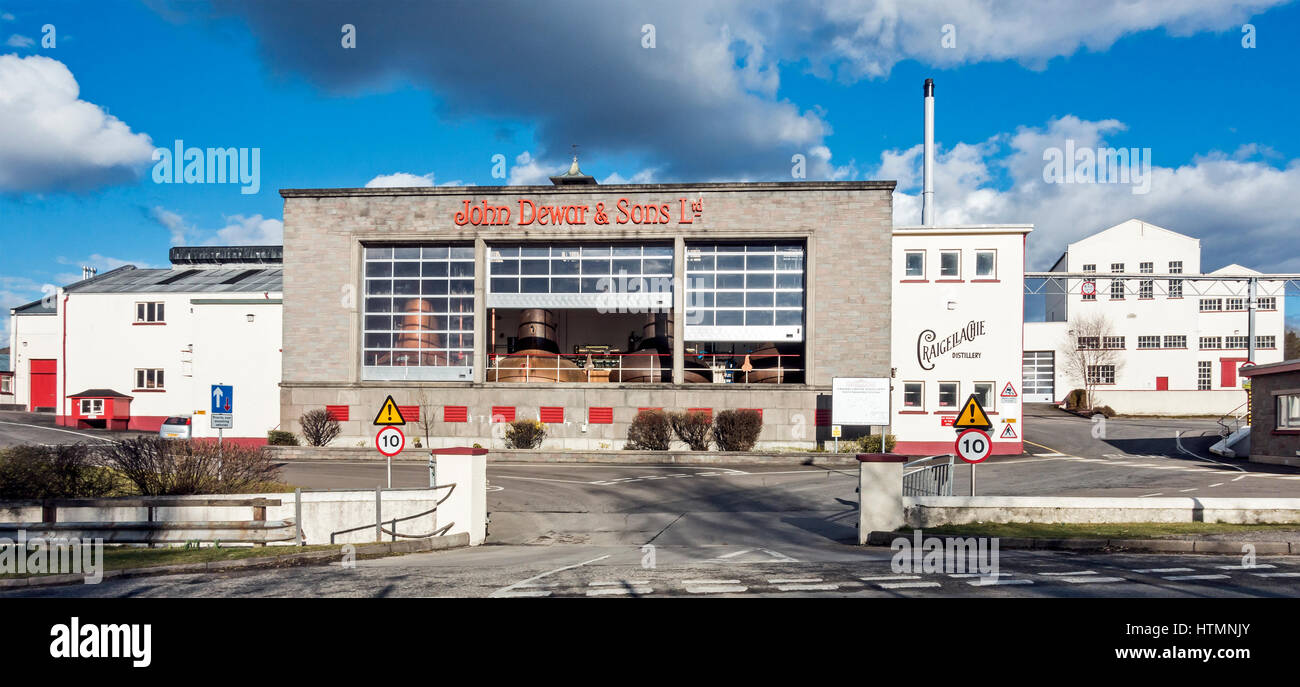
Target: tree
1292	349
318	428
426	421
1090	355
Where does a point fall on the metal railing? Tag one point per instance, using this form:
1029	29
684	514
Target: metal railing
928	480
719	368
379	523
1233	420
258	530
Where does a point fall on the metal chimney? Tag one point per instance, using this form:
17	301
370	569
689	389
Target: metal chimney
88	272
927	171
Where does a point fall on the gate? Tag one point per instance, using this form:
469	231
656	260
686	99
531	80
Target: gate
922	477
1038	384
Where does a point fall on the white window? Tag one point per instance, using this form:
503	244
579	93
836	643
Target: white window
1211	342
1288	411
1175	341
914	264
1267	303
914	395
1089	343
1236	304
1113	343
149	312
1204	375
1175	288
150	378
1237	341
984	394
948	394
1101	374
1211	304
1089	268
1148	342
1175	266
1146	267
950	264
6	385
1116	267
419	312
1146	288
1268	341
1117	289
741	291
986	263
92	406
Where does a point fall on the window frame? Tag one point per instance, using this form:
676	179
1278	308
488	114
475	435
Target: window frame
988	406
1284	421
908	254
993	272
92	404
946	252
1204	375
150	312
1102	370
956	395
920	394
150	379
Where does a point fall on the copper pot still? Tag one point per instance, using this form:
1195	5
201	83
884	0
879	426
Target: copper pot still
536	358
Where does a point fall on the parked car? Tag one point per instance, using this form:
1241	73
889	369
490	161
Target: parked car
176	427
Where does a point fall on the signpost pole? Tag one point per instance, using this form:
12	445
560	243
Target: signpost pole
972	479
390	472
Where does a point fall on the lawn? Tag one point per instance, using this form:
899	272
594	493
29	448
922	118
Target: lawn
127	557
1120	530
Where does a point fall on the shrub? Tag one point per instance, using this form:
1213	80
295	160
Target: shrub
1076	399
650	431
525	434
318	428
1105	410
161	467
871	443
53	472
737	430
693	427
279	437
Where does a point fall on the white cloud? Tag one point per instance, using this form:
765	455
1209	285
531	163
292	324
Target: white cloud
181	232
400	180
51	140
249	231
1229	201
20	41
528	171
645	176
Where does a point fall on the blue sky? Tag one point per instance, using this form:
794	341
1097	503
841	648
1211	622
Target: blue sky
729	91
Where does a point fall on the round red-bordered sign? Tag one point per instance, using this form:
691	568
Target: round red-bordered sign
390	441
1089	288
973	445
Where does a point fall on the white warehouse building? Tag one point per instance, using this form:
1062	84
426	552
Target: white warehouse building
131	347
1179	336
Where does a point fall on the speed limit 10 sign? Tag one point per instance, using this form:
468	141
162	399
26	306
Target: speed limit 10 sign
973	445
390	441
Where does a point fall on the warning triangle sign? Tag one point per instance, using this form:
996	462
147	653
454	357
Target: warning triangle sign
1009	433
972	416
389	414
1009	391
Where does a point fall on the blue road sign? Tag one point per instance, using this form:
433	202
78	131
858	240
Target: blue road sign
223	399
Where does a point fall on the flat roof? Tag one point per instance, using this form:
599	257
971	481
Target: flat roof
1271	368
241	279
588	189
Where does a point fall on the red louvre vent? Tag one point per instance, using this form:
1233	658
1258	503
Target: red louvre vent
706	411
455	413
503	413
552	414
822	417
600	416
409	413
339	413
756	410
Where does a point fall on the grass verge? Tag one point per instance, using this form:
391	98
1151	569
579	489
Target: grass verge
1122	530
124	558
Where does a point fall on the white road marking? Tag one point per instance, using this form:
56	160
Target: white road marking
829	587
884	578
1178	578
1217	485
963	575
504	590
700	583
612	583
1277	574
1091	580
1245	567
1146	495
619	591
735	553
907	585
1184	491
717	589
793	580
1147	571
1049	454
1075	572
993	581
781	558
521	593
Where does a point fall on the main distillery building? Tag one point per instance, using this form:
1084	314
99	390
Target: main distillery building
580	304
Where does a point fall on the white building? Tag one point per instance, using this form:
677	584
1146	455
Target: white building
958	311
1180	339
160	337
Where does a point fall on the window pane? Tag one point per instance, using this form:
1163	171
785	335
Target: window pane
915	264
948	264
984	263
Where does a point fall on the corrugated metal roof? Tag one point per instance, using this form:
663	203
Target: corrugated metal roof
36	308
185	280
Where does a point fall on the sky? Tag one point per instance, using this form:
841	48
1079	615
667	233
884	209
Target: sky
497	93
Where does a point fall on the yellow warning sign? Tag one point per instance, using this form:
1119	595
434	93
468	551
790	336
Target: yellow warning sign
972	415
389	414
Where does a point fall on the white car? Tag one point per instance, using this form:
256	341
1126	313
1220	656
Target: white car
176	427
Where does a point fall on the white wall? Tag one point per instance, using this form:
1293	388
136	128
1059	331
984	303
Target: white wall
31	337
934	305
228	349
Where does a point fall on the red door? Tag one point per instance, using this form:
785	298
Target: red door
1228	370
44	375
1162	384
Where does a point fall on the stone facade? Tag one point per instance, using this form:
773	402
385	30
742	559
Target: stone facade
846	225
1268	444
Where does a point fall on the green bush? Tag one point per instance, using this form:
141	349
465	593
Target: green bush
279	437
55	472
737	430
525	434
650	431
871	443
693	427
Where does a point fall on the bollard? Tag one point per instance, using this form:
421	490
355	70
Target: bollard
880	493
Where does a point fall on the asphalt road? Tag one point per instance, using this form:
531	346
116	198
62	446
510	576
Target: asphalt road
38	428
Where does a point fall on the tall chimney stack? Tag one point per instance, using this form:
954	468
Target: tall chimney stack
927	188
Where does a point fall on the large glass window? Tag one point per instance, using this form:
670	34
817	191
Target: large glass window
745	292
612	277
1288	411
418	318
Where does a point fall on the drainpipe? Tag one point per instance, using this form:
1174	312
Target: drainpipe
63	398
1250	321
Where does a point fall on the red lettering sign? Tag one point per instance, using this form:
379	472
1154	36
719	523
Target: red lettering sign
531	212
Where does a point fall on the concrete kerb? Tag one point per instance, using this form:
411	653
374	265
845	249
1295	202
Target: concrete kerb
359	454
453	541
1182	545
